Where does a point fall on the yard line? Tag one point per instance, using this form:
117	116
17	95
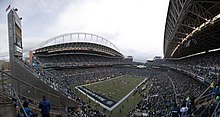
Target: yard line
119	102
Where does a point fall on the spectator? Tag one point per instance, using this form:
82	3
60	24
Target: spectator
175	111
45	107
184	110
26	108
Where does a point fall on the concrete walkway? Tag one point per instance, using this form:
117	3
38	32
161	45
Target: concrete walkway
7	110
174	88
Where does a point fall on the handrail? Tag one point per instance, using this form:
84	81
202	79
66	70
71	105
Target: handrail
202	113
206	99
31	86
12	94
214	112
202	94
28	68
59	96
28	84
19	101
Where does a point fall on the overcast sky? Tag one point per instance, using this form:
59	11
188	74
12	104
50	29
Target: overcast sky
136	27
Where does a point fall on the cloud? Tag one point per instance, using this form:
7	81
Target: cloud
3	40
136	27
128	24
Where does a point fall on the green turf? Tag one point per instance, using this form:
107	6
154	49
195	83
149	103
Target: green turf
128	104
116	88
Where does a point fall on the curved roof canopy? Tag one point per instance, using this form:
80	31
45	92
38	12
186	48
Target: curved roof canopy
77	37
192	26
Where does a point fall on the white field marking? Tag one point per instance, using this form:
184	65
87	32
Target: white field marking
119	102
101	81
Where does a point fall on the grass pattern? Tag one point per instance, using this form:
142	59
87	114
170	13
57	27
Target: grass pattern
117	88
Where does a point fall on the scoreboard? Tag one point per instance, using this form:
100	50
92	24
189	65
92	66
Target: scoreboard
15	35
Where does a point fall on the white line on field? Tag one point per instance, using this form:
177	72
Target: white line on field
118	103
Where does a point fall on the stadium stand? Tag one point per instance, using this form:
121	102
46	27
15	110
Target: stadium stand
65	65
161	97
181	82
62	78
95	51
62	74
205	65
191	47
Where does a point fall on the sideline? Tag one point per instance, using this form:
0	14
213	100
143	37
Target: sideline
118	103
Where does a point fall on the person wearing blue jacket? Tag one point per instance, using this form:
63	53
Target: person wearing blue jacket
26	108
45	107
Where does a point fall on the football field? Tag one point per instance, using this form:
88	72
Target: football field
120	90
115	88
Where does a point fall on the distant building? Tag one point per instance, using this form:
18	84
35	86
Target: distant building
129	59
150	61
4	65
157	58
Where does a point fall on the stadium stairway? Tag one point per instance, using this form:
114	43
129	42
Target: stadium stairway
28	86
205	104
21	72
7	110
205	100
11	104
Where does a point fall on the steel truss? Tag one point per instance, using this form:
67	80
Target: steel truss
182	18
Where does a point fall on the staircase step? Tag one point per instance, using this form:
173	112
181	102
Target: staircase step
7	110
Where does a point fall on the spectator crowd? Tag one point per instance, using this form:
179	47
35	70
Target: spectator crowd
205	66
162	99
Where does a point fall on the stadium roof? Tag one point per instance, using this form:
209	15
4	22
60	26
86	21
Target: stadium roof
192	26
77	37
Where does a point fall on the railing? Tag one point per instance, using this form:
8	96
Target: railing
203	95
9	92
25	91
205	98
204	80
15	95
215	113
